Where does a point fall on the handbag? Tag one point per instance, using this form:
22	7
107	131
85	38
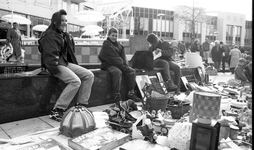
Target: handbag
142	60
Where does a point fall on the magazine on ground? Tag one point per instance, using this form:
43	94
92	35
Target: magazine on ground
103	138
47	144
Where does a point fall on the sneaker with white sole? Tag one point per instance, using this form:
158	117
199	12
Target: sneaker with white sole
57	114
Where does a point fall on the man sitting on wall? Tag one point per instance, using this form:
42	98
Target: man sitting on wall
165	61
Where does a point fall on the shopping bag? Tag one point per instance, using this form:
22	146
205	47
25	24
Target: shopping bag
179	136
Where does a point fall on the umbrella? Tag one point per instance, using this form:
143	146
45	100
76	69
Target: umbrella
92	28
40	27
89	16
91	33
16	18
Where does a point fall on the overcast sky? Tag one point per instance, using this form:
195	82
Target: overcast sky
234	6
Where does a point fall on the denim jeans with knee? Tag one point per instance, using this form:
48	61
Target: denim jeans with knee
177	70
167	66
161	63
116	74
78	79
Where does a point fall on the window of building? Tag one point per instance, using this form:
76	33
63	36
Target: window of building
146	24
74	8
150	24
40	20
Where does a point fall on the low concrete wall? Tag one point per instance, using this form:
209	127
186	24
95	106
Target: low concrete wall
20	97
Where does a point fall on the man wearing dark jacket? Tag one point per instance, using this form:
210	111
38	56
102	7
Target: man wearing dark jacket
113	59
225	55
165	61
57	48
216	53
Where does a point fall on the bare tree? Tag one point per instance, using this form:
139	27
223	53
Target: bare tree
190	16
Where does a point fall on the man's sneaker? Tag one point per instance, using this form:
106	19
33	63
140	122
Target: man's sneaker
134	97
170	85
57	114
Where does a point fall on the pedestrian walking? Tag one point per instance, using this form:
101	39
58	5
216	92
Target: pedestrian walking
235	55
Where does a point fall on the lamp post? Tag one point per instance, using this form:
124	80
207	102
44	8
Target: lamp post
160	15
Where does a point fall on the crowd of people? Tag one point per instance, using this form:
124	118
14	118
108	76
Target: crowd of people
219	54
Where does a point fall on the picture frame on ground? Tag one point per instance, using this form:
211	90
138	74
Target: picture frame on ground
158	85
162	82
141	80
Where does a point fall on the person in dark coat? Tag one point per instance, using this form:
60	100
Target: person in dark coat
216	53
225	55
113	59
58	56
165	61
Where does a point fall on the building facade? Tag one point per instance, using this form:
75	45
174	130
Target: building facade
231	28
41	11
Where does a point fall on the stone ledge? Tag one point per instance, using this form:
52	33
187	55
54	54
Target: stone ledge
20	97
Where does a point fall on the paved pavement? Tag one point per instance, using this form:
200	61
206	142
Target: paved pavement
18	128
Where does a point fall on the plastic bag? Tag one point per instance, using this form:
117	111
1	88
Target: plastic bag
179	136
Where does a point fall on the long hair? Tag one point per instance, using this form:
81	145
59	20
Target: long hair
56	19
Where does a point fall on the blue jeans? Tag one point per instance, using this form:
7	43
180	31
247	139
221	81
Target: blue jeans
116	74
77	79
167	66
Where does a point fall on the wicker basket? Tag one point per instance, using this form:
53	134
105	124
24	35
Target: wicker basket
157	103
178	110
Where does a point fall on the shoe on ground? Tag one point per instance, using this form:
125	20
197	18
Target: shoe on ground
134	97
57	114
171	85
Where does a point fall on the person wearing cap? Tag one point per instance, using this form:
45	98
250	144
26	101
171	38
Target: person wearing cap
165	61
216	54
235	55
58	55
239	70
14	37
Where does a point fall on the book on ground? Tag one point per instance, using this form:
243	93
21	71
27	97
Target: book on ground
48	144
103	138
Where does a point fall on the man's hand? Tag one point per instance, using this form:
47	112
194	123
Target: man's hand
157	51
